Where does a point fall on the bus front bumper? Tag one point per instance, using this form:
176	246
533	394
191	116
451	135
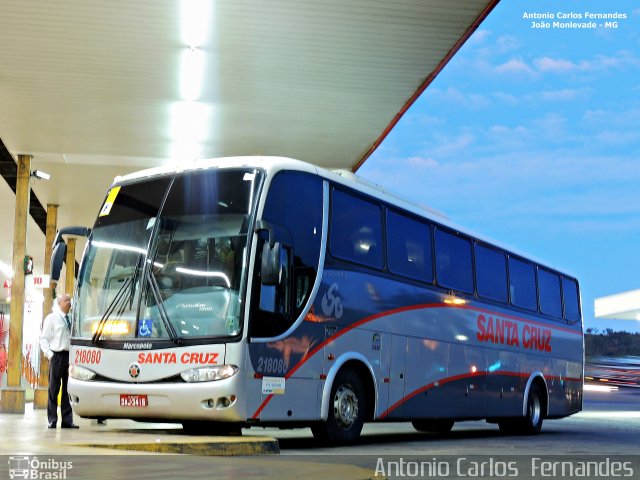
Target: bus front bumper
213	401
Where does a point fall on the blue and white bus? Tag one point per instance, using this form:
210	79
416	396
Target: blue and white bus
262	291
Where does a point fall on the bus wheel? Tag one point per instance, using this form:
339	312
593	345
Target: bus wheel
346	411
532	422
437	426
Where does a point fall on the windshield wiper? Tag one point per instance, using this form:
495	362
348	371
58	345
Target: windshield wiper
123	293
132	290
120	294
155	290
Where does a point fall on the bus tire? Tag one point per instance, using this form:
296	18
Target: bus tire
346	411
434	425
531	424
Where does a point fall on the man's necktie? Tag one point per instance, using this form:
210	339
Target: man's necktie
67	321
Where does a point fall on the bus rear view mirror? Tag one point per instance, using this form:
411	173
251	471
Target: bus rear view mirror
60	248
57	259
271	271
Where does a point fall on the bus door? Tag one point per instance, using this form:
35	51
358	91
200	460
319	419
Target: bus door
287	264
391	387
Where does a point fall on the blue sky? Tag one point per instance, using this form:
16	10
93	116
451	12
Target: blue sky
531	136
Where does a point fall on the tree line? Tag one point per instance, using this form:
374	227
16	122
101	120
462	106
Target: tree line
608	343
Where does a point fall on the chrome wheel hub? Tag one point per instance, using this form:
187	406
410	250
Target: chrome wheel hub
345	407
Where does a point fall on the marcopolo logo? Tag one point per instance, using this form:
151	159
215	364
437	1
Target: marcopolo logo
134	370
37	469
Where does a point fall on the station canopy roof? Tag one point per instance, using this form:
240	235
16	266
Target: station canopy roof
621	306
97	89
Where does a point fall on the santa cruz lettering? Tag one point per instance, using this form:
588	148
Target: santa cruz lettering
511	333
206	358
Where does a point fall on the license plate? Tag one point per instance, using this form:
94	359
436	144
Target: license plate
133	400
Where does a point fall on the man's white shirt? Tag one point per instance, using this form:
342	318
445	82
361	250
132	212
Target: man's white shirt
55	335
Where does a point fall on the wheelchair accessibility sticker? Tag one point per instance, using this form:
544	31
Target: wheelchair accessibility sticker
145	327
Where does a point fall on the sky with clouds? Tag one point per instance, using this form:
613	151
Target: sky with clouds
531	136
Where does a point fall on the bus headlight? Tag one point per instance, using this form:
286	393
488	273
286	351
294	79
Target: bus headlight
209	374
81	373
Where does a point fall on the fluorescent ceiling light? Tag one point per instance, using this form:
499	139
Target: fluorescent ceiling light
195	19
191	74
184	152
190	122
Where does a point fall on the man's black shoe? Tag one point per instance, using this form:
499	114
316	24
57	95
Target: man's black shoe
51	424
69	425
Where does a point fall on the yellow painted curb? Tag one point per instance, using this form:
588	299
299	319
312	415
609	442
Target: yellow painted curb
204	447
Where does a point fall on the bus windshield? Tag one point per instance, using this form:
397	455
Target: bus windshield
166	258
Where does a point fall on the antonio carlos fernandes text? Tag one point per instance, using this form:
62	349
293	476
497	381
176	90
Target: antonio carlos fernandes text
493	468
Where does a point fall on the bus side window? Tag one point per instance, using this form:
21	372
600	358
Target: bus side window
454	267
549	287
571	300
491	273
356	230
409	247
522	284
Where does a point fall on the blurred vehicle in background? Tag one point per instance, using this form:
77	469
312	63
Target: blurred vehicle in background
618	371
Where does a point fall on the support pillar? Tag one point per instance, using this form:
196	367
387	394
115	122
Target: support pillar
70	260
12	397
41	394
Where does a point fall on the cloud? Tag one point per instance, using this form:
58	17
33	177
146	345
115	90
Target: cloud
564	200
565	94
514	66
556	193
547	64
506	98
503	132
624	119
421	162
479	37
507	43
621	59
452	95
553	128
450	146
519	67
423	119
603	225
617	138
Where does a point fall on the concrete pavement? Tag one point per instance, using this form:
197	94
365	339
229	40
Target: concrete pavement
129	449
